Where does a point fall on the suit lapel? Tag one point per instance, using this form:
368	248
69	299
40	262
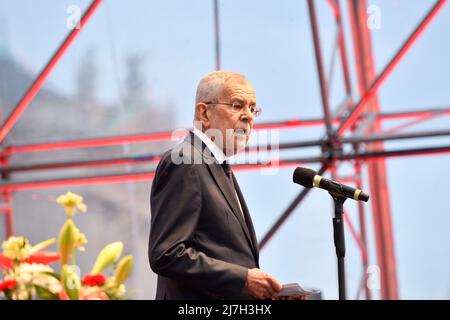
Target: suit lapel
248	219
221	180
230	195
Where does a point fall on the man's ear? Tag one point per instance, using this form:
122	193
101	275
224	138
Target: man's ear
201	110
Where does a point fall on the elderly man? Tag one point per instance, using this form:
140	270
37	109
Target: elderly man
202	243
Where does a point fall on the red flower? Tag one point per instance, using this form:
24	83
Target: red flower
8	284
92	293
5	263
44	257
63	295
94	280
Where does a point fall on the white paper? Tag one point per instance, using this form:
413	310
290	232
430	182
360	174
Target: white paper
294	289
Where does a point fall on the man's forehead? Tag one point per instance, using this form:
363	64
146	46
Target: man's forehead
242	87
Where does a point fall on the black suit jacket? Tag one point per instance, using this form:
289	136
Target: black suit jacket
200	246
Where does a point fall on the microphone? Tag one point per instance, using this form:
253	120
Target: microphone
309	178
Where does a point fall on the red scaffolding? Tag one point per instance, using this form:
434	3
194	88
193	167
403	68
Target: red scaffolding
363	119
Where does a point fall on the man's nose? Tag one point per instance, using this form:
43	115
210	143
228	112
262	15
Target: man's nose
247	115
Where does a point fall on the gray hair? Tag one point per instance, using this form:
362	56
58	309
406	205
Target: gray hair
211	86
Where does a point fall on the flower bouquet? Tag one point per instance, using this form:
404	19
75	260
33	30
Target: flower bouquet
27	273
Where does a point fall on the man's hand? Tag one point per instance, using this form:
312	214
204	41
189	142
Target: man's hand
261	285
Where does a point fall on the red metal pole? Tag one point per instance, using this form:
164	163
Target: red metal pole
139	159
167	135
362	230
8	214
286	214
374	155
376	168
6	208
359	243
413	122
147	176
343	51
120	178
376	83
81	164
361	240
319	65
39	82
399	136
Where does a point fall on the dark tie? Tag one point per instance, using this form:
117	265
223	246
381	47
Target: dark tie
226	167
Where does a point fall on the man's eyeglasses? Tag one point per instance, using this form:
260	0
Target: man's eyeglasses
238	107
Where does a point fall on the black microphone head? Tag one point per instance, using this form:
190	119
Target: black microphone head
363	197
304	176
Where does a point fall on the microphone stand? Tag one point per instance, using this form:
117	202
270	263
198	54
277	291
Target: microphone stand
339	240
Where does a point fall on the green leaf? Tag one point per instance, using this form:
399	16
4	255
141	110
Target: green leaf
53	274
42	245
71	282
8	294
45	294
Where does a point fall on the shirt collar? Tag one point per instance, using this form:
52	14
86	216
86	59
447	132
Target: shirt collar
215	150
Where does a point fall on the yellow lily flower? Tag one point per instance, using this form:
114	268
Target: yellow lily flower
71	202
123	270
107	257
66	240
16	248
80	240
